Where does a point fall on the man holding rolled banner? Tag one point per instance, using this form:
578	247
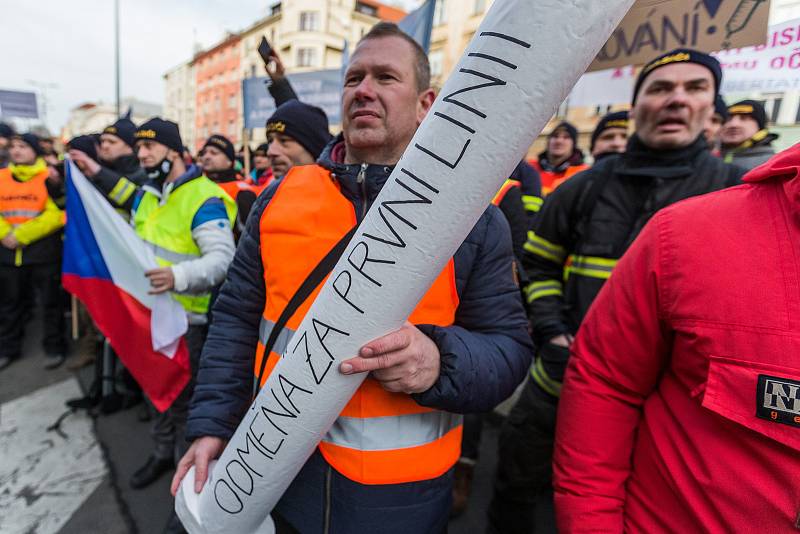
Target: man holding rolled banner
388	466
583	229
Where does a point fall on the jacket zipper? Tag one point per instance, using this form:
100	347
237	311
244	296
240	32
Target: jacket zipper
326	528
361	179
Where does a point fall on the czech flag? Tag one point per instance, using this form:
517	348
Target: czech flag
104	265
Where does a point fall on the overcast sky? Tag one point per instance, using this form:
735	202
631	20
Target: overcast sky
71	45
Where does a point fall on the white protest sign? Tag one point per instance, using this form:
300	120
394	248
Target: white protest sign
770	67
773	66
521	63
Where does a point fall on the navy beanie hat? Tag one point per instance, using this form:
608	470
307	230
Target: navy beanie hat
753	108
222	143
161	131
306	124
680	55
617	119
125	129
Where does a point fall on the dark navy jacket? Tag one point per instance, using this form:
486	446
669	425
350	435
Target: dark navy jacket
484	355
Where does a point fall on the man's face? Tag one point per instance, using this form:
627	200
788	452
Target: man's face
261	162
284	153
738	129
611	140
381	105
213	159
21	153
112	147
4	142
150	153
559	145
47	146
673	105
713	127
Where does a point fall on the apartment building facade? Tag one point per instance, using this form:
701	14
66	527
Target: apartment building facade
217	91
179	100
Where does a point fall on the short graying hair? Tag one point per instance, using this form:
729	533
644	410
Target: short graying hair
422	67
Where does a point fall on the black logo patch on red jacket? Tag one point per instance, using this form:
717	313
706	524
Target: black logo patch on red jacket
778	400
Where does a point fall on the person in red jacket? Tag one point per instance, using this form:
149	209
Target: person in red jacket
680	409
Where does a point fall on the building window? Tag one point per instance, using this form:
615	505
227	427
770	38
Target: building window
275	9
231	128
776	109
437	63
309	21
439	13
366	9
478	7
305	57
232	101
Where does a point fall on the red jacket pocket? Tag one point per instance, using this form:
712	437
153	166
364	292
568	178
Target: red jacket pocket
762	397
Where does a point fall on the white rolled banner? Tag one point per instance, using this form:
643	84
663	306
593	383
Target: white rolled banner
520	65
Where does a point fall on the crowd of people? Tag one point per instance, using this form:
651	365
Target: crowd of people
635	409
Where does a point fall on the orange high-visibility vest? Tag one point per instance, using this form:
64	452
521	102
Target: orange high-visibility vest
234	187
379	437
22	201
551	180
507	185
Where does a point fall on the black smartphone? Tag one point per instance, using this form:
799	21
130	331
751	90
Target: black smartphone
265	50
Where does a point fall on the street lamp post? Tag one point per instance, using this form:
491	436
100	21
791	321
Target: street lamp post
116	53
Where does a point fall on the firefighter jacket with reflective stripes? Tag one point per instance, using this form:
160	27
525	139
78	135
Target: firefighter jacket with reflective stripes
28	212
531	186
164	220
119	180
574	247
509	200
380	437
680	409
485	352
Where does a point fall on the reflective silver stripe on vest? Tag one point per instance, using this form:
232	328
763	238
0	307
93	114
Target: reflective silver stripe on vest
170	256
20	213
265	329
391	433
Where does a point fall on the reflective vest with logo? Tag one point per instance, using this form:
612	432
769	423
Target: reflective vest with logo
379	437
167	227
22	201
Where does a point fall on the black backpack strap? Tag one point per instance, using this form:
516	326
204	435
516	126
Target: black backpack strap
323	269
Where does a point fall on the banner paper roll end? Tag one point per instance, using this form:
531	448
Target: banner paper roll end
187	506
